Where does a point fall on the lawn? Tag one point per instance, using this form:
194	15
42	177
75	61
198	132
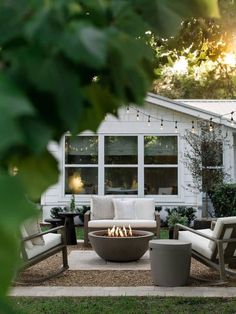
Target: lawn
121	305
80	233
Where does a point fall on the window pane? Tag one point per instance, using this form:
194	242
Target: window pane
160	150
81	150
161	181
121	181
81	180
121	150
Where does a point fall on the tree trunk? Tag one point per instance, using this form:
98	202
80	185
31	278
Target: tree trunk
206	207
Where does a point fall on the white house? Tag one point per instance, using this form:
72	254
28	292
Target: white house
141	153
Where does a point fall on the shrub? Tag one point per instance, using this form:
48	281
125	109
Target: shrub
183	211
82	210
223	198
175	218
55	211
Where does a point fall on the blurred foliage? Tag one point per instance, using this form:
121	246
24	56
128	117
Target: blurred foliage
63	65
199	68
223	198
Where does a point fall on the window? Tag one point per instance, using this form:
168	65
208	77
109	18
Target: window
81	165
129	165
121	169
160	165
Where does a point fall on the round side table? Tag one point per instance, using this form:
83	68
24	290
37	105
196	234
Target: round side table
170	262
69	226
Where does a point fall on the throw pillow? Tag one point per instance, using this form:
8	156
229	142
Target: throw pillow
101	207
32	227
145	208
124	209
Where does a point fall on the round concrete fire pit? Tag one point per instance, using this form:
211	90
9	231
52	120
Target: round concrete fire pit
118	249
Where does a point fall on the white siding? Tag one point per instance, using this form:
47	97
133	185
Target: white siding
128	125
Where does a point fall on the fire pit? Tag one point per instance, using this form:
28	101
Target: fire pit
124	245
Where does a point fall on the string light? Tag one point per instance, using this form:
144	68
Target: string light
150	116
232	118
210	125
161	124
176	126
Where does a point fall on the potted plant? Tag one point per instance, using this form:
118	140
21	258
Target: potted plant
173	219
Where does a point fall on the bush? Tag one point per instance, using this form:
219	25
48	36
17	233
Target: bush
55	211
82	210
183	211
223	198
175	218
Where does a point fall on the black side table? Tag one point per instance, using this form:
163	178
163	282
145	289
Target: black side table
70	226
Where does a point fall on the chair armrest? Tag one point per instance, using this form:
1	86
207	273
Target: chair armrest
41	233
178	226
213	223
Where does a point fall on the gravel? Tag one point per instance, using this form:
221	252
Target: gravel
107	278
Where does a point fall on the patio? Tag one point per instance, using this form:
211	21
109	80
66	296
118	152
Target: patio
87	269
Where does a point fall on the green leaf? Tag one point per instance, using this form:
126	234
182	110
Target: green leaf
37	173
16	207
36	133
165	16
13	105
12	99
85	44
14	210
102	101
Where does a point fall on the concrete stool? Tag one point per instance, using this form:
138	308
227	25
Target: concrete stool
170	262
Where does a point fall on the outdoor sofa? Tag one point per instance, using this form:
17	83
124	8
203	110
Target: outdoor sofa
107	211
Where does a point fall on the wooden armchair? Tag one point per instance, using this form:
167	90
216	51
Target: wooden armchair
52	243
215	248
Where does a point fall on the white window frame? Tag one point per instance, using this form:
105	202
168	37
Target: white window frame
140	168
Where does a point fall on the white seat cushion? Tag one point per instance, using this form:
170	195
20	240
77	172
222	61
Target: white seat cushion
102	207
50	240
124	209
134	223
199	244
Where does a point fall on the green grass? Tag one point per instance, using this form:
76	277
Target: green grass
123	305
80	232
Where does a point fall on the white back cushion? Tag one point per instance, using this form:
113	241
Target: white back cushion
32	227
145	208
28	244
124	209
102	207
219	227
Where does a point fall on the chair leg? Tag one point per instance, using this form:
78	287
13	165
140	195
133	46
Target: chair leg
86	240
65	258
221	261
